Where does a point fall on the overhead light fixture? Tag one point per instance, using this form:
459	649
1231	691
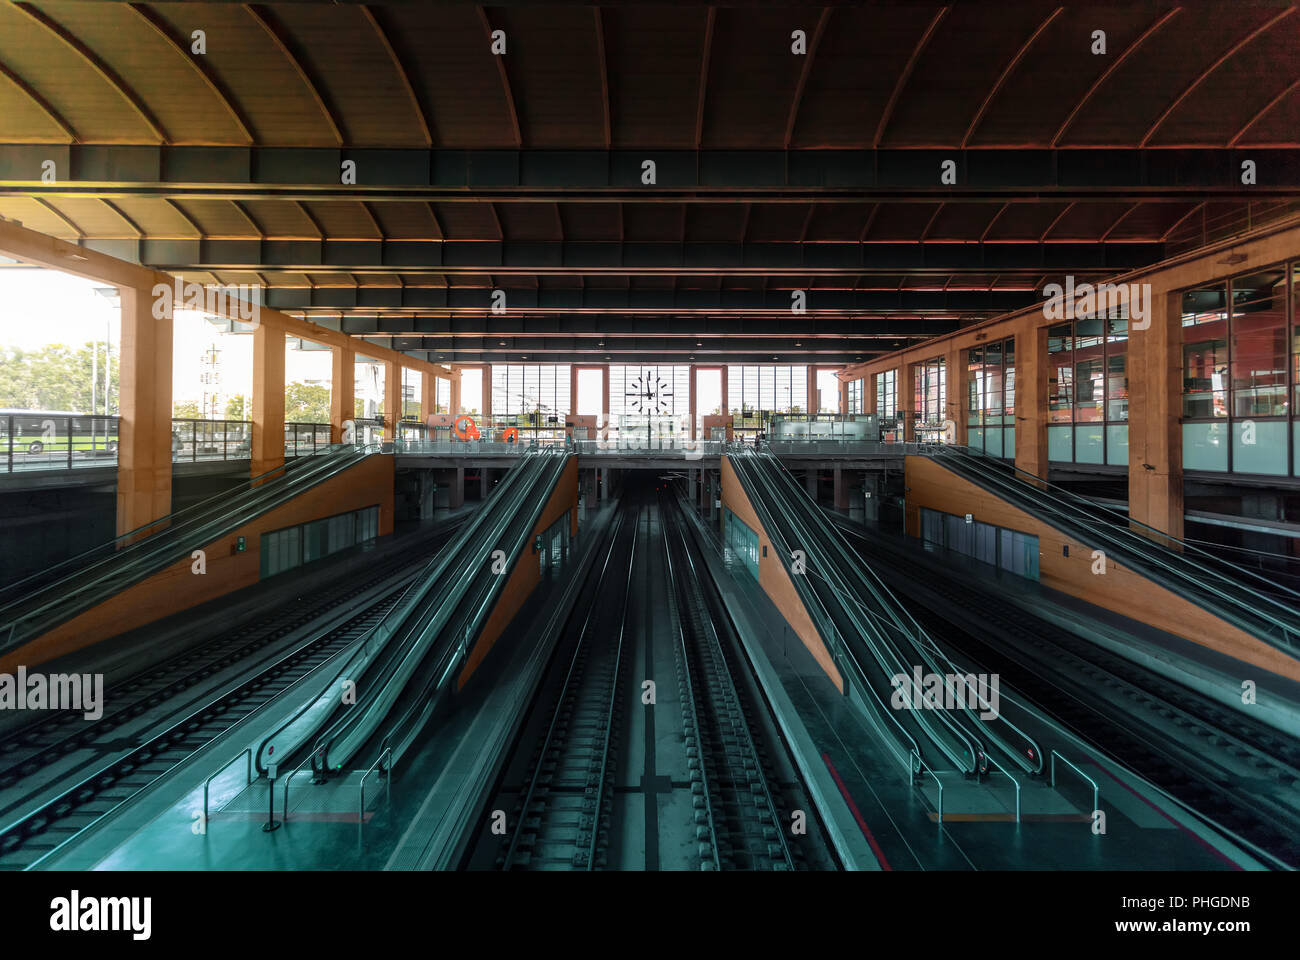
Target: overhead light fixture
1232	258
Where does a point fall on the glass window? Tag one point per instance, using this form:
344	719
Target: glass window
1117	371
757	392
887	394
1205	352
1060	388
930	397
534	395
1258	347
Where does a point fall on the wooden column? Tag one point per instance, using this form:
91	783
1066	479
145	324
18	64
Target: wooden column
144	452
844	396
957	394
392	398
694	399
343	384
268	398
486	412
454	401
1033	373
428	395
1155	452
870	402
907	399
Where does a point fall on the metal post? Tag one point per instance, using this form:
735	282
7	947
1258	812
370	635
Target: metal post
69	426
271	823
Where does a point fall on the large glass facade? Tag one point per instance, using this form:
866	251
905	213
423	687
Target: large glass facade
754	393
1087	393
887	394
1236	393
533	395
930	399
991	426
650	402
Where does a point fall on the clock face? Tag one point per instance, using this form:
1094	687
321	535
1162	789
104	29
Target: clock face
649	394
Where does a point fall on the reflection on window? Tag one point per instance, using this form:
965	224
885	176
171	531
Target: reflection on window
887	394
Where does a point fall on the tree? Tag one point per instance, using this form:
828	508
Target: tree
306	403
238	408
186	410
57	377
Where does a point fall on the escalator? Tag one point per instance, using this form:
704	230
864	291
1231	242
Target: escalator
1248	601
407	661
38	603
877	644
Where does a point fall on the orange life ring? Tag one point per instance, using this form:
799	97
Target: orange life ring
510	434
467	432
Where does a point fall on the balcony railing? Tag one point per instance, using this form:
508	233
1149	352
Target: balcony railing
39	442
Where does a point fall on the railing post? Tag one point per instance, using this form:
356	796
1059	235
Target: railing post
68	424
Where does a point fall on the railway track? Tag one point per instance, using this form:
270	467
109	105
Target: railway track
115	776
737	823
563	815
1238	772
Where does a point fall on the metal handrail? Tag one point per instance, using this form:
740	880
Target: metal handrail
248	774
387	752
288	780
1008	775
938	782
1124	538
1096	798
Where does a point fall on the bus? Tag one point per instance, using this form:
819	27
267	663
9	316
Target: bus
57	431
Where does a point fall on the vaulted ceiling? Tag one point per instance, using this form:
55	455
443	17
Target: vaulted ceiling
774	171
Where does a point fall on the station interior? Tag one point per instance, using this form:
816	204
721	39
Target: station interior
639	437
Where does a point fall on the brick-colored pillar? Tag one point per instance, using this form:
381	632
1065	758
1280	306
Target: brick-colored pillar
268	398
144	452
455	392
1155	452
392	398
957	394
870	402
844	396
343	383
1033	373
694	400
907	399
428	394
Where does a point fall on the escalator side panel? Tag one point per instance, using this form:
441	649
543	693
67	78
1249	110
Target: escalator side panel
526	573
366	483
773	577
931	485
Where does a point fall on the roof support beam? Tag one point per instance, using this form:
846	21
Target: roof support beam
505	82
99	66
268	22
35	97
797	99
206	74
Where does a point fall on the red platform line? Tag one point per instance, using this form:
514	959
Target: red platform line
866	831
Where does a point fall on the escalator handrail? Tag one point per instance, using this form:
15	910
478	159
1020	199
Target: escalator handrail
1150	554
374	639
153	554
184	515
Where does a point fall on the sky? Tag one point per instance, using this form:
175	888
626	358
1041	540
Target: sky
44	307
